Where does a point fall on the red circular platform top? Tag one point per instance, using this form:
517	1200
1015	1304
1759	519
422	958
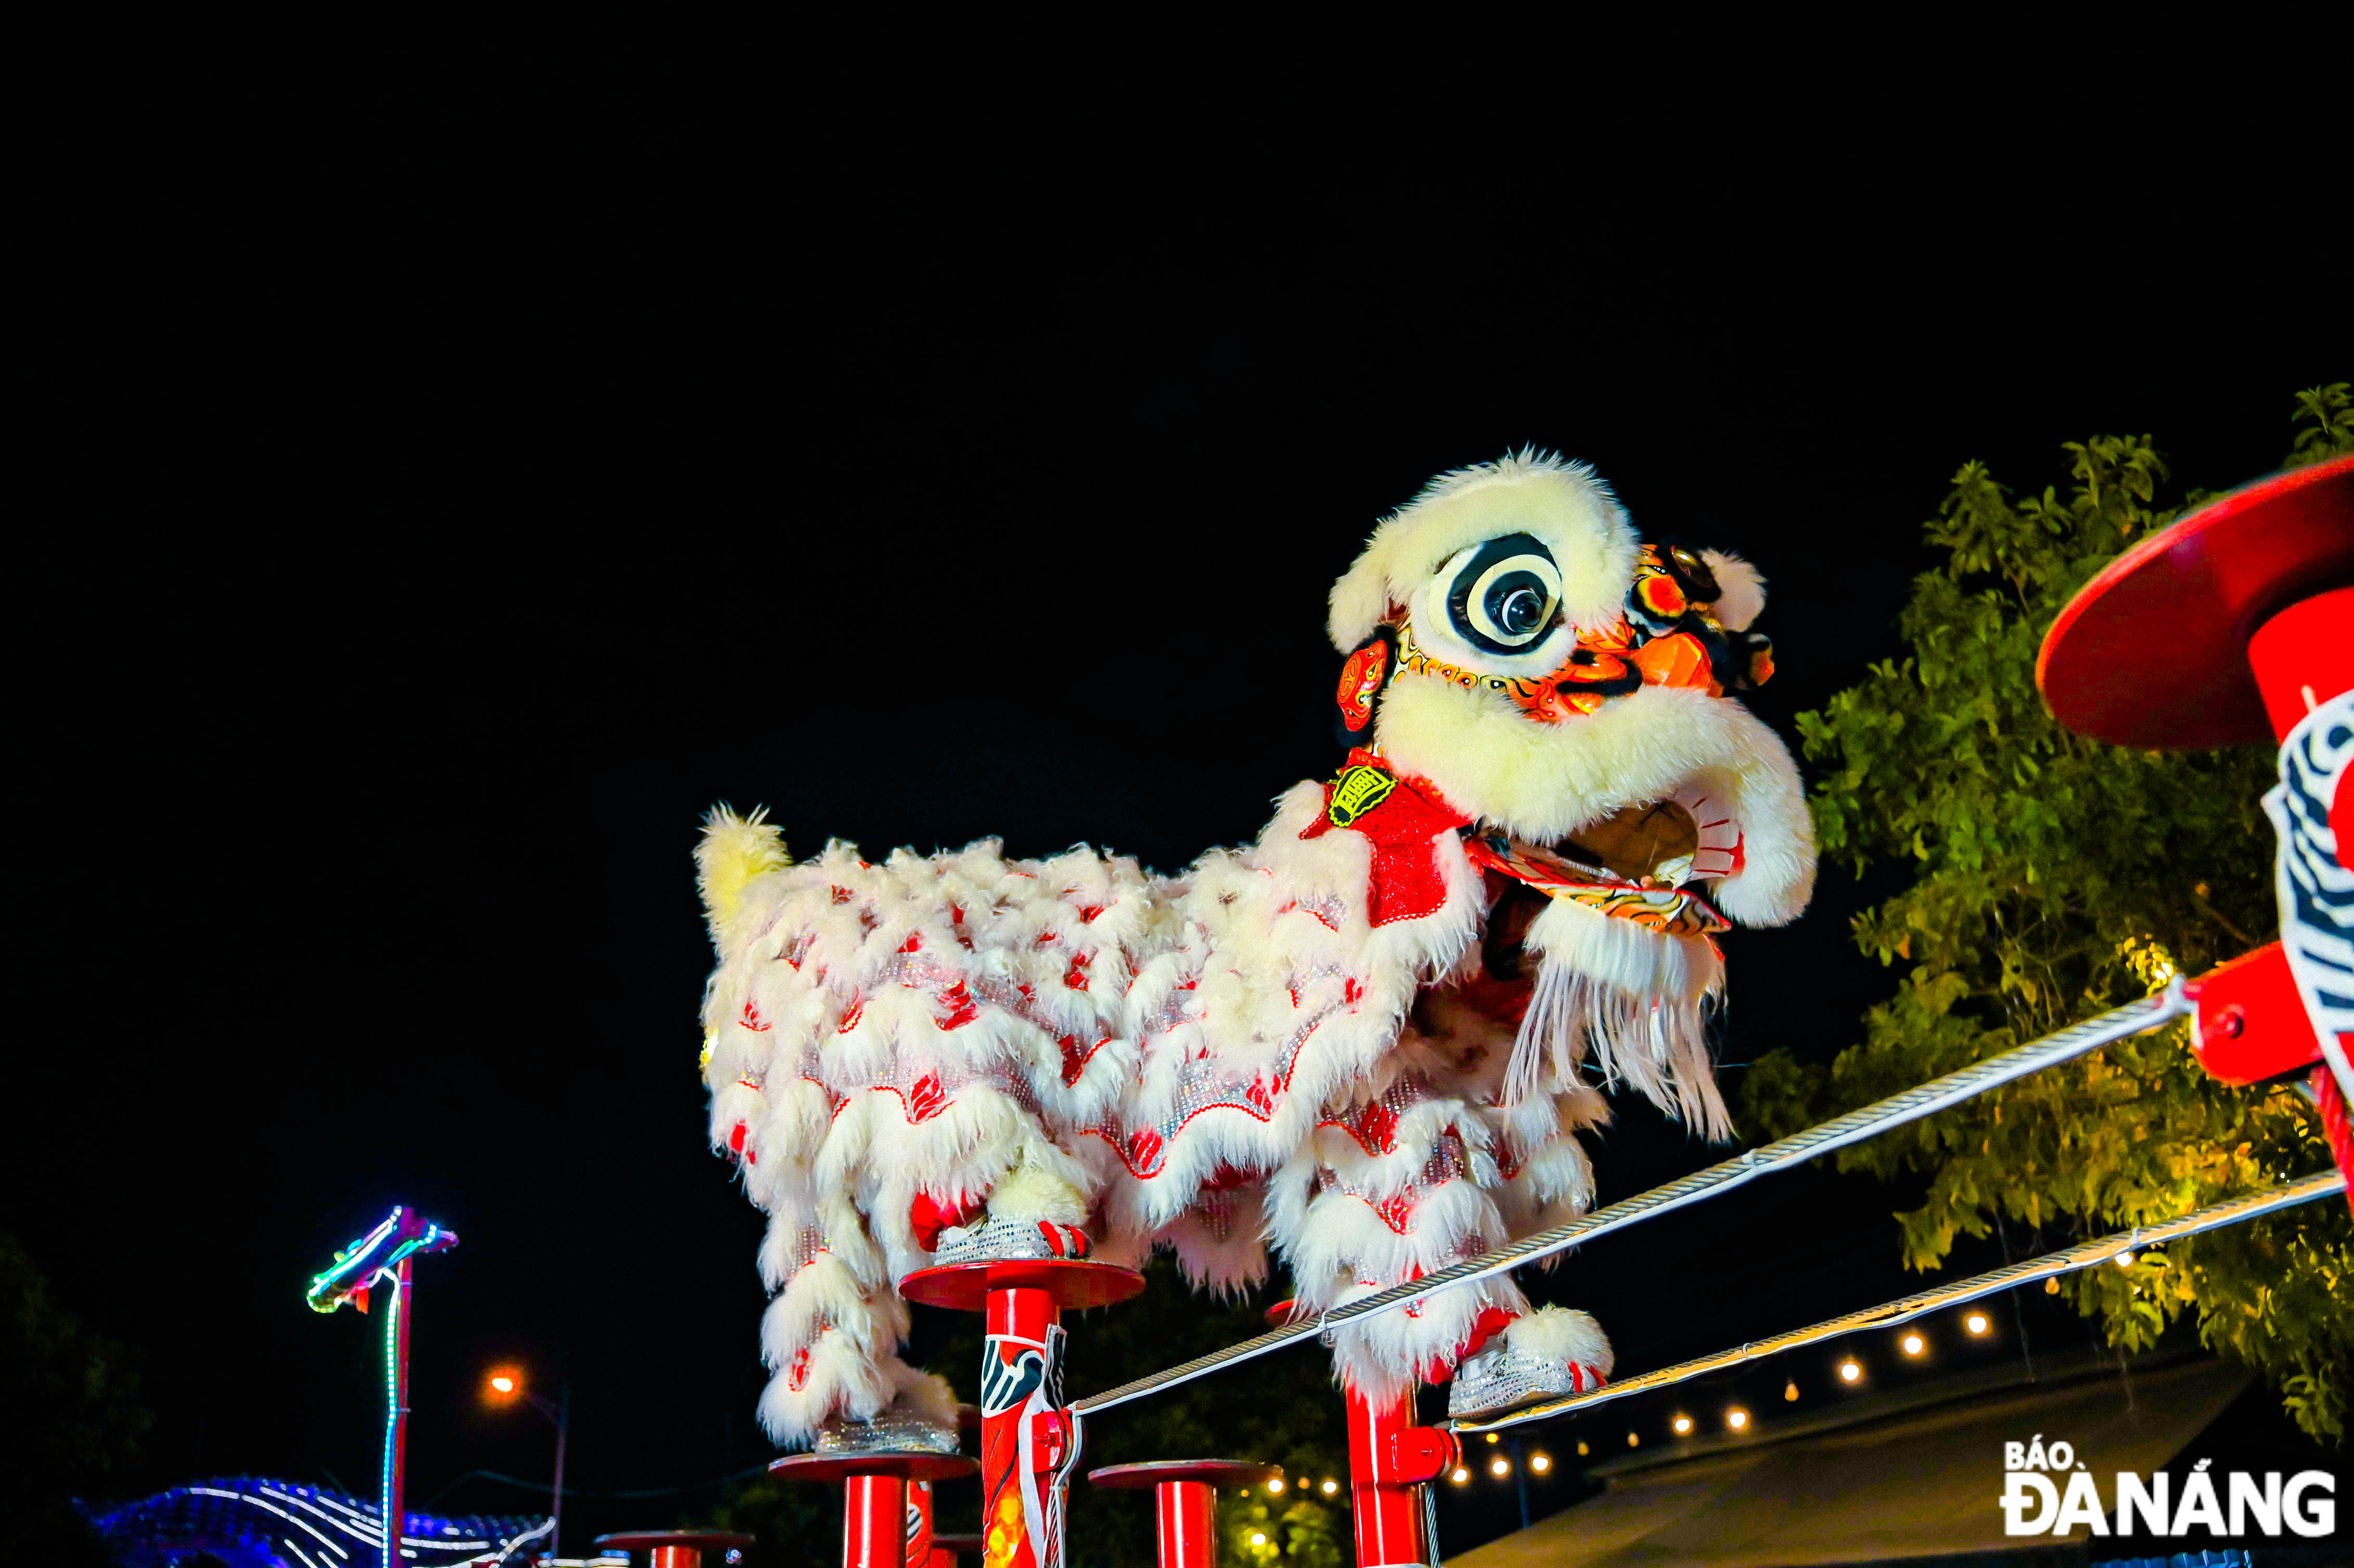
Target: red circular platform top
648	1540
908	1465
2153	652
1073	1282
1217	1472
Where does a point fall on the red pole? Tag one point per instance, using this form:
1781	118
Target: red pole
1188	1514
396	1421
919	1524
873	1521
1388	1455
1017	1366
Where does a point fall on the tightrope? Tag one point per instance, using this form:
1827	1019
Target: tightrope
2088	1254
1923	1099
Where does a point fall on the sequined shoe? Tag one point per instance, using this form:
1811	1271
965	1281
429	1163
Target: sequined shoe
1547	1354
1010	1240
897	1429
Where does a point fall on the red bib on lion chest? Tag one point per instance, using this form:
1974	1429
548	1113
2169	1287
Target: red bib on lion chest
1401	817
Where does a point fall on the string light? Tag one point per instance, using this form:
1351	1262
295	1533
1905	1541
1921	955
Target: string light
1850	1371
1790	1390
1458	1475
1582	1450
1976	1323
1633	1441
2124	1260
1500	1467
1259	1538
1914	1344
1682	1424
2052	1285
1541	1463
1330	1486
1736	1418
1493	1438
1274	1484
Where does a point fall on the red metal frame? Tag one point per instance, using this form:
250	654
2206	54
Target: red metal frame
1186	1502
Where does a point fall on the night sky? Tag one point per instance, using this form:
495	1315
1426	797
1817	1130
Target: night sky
451	520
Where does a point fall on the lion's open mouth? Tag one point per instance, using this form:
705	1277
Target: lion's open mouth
1649	863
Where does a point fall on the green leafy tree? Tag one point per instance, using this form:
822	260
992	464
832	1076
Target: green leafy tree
2054	877
71	1421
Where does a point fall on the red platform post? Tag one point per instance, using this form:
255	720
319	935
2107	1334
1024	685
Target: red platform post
1389	1456
1029	1442
2231	626
874	1484
1186	1502
676	1548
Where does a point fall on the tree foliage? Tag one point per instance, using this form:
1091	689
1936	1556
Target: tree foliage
71	1421
2054	877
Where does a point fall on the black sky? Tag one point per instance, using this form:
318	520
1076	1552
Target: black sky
467	484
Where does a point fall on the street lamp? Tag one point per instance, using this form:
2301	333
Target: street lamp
504	1386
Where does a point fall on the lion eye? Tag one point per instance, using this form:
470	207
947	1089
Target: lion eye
1503	595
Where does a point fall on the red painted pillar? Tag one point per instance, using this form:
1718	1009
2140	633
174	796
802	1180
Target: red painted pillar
919	1524
1188	1512
873	1521
2303	656
1020	1521
1388	1456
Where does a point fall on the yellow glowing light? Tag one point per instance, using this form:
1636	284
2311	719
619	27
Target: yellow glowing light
2124	1260
1500	1467
1274	1483
1458	1475
1736	1419
1790	1392
1540	1463
1259	1538
504	1383
1682	1423
1582	1450
1493	1438
2052	1285
1330	1486
1633	1441
1976	1323
1850	1371
1914	1344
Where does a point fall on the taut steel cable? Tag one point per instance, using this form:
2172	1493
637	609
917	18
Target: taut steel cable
2087	1255
1923	1099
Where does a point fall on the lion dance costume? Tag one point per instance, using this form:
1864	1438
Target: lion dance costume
1369	1039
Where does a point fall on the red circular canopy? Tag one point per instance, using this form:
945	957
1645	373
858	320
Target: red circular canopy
2153	652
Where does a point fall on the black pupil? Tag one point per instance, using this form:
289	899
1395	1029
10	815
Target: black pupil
1517	604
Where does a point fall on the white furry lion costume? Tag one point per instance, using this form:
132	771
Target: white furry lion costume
1360	1039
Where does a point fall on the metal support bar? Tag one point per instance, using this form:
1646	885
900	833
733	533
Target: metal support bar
2086	1254
1923	1099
